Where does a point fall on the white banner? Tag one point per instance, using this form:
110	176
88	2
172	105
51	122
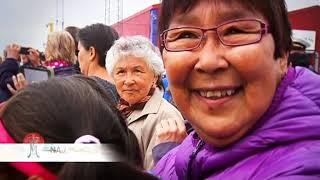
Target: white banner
59	153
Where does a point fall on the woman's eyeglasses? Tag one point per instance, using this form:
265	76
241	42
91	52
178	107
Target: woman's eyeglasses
232	33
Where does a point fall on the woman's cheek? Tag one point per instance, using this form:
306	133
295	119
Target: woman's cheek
178	66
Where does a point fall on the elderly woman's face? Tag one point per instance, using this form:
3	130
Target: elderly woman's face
222	90
133	79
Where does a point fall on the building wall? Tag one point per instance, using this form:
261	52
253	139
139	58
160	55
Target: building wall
307	19
137	24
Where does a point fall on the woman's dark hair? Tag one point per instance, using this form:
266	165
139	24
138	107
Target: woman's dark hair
299	59
73	30
274	11
64	109
99	36
110	171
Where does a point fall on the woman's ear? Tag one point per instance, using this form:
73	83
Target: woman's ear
93	53
155	81
283	63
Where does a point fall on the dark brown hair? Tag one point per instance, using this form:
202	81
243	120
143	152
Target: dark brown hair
73	30
99	36
274	11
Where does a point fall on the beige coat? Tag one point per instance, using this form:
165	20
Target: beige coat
143	123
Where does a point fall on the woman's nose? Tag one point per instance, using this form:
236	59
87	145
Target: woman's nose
211	55
129	80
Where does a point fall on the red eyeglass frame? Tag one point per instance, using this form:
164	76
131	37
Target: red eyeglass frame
265	29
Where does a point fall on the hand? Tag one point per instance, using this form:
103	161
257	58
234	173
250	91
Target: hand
34	56
19	83
170	130
13	51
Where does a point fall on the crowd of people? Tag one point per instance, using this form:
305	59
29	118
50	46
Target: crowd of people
240	107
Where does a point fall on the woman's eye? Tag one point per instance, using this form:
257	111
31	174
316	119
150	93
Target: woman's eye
187	35
138	71
182	35
233	31
119	72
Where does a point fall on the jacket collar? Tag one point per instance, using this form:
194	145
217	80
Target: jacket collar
151	107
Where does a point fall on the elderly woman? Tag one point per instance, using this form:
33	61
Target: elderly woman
253	117
136	68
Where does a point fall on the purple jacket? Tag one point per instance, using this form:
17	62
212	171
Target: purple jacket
285	144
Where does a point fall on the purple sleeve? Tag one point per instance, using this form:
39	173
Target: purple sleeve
165	168
161	149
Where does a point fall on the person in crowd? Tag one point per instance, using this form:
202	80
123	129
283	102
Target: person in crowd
4	53
30	60
136	68
24	59
10	79
254	118
298	55
94	41
60	53
73	30
85	116
9	70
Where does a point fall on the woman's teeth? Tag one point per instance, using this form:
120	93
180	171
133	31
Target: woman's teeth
217	93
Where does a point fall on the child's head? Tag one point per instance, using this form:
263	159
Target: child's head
63	109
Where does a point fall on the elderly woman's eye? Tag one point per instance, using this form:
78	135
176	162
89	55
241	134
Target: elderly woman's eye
138	70
119	72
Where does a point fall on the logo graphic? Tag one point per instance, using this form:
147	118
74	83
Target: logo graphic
33	139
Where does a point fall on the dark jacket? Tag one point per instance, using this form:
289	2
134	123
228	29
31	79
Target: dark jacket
8	68
61	67
109	88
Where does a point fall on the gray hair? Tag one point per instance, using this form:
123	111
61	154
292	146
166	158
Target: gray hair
136	46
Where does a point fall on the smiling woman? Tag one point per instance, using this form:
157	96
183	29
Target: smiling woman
136	68
226	65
